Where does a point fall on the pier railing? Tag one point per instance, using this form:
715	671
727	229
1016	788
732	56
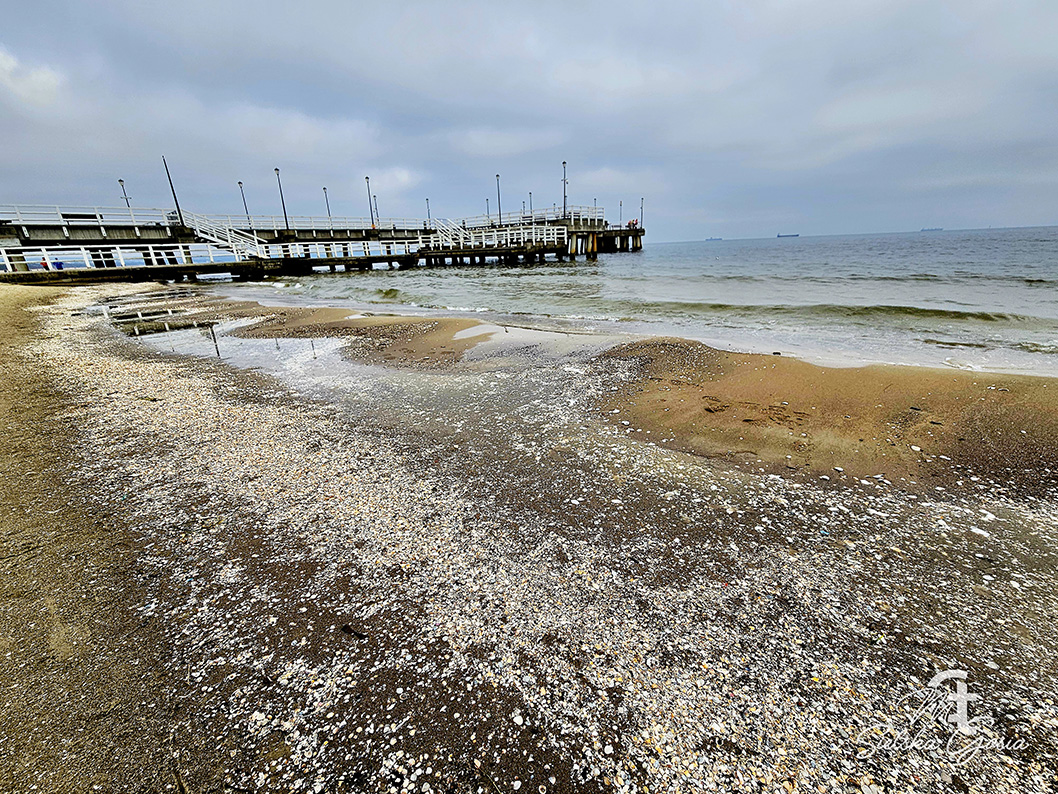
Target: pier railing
74	257
575	215
232	246
318	223
453	235
59	215
91	256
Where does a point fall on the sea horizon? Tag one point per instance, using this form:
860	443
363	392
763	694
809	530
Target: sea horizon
647	241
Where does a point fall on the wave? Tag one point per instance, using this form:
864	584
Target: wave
1047	348
1040	282
950	343
840	311
632	310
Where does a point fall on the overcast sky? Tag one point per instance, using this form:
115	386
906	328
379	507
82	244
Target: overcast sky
741	118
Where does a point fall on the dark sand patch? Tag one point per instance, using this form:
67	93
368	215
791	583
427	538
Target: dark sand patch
896	421
88	703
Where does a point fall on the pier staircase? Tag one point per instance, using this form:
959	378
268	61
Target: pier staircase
244	244
450	234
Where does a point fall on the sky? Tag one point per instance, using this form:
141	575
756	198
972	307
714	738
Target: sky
740	118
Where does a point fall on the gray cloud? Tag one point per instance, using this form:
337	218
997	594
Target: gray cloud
731	119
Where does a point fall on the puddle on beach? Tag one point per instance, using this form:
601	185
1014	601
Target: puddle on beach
519	389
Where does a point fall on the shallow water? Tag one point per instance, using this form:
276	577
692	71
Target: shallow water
982	299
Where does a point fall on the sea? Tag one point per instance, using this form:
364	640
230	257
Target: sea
984	299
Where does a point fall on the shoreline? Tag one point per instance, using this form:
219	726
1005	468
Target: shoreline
467	574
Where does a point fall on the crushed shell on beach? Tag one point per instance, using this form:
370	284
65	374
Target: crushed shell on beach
530	600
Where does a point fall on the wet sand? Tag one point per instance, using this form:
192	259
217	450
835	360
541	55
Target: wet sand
506	588
909	424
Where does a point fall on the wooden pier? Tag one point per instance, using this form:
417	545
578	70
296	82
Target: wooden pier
82	245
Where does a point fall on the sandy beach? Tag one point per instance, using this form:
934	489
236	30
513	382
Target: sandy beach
435	554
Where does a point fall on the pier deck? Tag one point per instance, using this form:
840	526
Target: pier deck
82	245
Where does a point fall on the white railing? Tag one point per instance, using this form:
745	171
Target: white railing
176	254
92	256
577	215
58	215
127	254
73	257
277	223
452	235
347	249
243	244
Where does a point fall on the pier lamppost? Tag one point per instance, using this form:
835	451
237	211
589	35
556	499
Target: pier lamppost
370	209
640	210
621	211
499	206
378	218
488	216
327	201
124	195
564	181
283	201
531	206
245	209
176	201
429	220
